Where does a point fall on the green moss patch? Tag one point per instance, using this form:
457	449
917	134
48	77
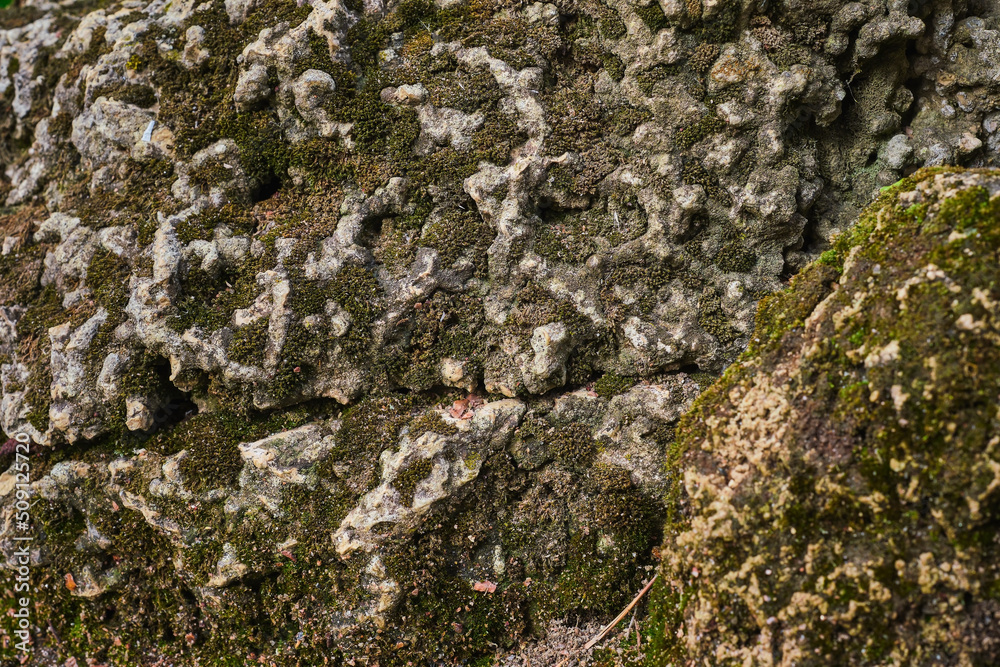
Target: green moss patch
611	384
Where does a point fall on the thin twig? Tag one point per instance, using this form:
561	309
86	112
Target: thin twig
634	624
610	626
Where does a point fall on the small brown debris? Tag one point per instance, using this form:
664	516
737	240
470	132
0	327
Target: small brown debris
459	409
484	586
465	408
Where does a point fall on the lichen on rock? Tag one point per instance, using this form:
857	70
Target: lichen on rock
839	497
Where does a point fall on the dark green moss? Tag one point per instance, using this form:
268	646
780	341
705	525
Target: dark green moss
368	428
61	125
708	125
308	297
19	15
789	55
736	256
431	421
463	234
693	173
703	57
443	326
263	153
137	555
145	191
300	356
612	384
610	478
723	27
35	350
564	239
582	118
569	236
704	380
643	279
212	439
647	79
572	445
611	24
407	480
713	319
628	118
358	292
614	65
140	96
197	305
249	342
193	101
107	276
319	57
270	13
652	16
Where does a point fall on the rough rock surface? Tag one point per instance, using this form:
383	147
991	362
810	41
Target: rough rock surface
391	531
227	219
841	483
373	195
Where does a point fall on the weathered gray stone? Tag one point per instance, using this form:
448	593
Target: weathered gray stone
250	249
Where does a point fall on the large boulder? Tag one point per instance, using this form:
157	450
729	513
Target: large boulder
371	193
839	488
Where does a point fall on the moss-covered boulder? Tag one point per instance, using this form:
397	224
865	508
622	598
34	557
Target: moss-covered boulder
839	487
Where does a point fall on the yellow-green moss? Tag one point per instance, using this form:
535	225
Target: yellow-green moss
431	421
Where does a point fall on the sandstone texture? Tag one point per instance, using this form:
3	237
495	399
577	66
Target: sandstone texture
841	482
359	331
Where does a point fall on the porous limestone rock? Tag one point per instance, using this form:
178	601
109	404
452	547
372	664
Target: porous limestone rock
643	190
398	509
225	220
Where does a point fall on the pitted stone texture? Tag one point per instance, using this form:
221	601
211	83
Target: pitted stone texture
646	202
218	537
